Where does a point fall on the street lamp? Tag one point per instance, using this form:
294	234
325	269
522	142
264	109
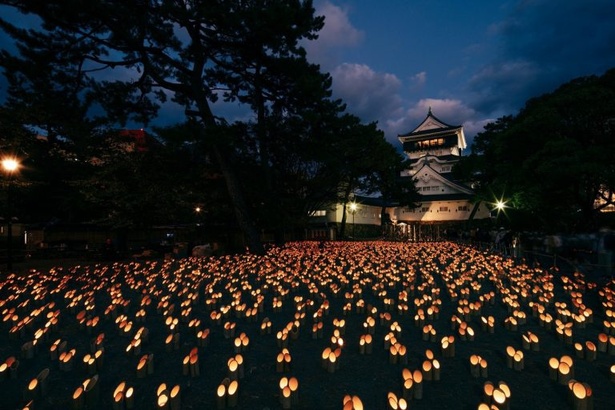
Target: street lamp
9	166
353	210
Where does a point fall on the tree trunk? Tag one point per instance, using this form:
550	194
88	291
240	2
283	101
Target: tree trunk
240	207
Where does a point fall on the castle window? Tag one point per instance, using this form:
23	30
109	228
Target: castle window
444	209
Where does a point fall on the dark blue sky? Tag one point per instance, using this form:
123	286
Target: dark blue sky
471	61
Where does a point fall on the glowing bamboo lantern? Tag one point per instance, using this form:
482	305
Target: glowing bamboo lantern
518	361
221	396
581	395
499	399
488	389
612	373
175	398
435	369
195	369
289	392
389	340
66	360
202	337
54	350
590	351
510	354
78	398
92	391
370	325
475	365
352	403
229	329
611	346
331	362
407	387
417	389
553	368
578	349
32	390
427	331
324	357
448	346
282	338
285	396
564	373
265	327
427	369
603	340
232	393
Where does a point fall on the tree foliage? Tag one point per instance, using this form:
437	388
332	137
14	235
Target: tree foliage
555	158
84	70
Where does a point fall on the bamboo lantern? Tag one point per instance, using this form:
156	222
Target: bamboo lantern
282	338
232	393
162	401
435	369
475	365
612	374
352	403
221	396
175	398
265	328
393	353
510	354
417	390
448	346
324	358
488	389
285	395
407	387
603	340
333	361
293	384
118	396
564	373
32	390
590	351
92	391
78	398
611	346
553	368
499	399
518	361
229	329
427	368
581	395
427	331
195	369
578	349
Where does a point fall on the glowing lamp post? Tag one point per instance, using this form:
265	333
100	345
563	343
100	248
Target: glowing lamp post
353	210
9	166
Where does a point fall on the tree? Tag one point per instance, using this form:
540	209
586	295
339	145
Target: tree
555	158
191	51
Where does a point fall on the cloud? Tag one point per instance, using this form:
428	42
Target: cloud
368	94
337	33
418	80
